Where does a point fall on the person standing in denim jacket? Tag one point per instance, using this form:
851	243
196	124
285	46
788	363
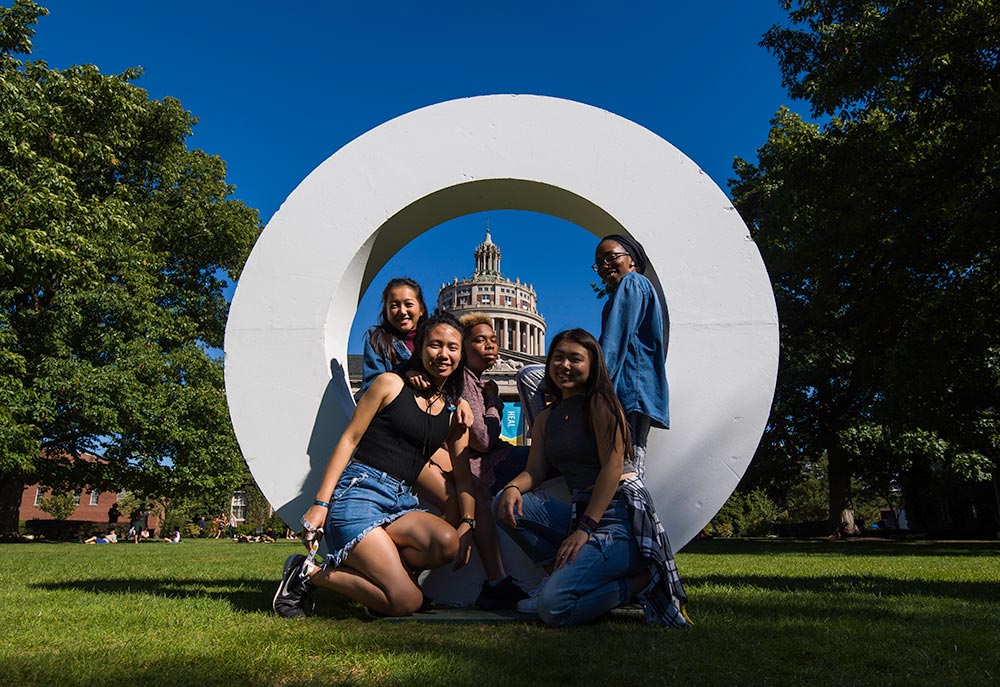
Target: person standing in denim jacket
632	337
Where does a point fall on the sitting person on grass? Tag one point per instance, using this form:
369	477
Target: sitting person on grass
608	546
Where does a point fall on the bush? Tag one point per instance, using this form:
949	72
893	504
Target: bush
750	514
59	506
65	530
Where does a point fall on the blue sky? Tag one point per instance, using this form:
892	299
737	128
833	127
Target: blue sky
278	89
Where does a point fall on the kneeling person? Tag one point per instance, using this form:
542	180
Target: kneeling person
378	539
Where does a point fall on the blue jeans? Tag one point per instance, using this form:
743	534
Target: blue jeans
530	381
598	580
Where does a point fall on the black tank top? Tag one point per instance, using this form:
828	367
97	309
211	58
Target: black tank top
401	437
570	445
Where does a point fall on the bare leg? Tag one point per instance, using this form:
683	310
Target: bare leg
423	540
376	574
437	486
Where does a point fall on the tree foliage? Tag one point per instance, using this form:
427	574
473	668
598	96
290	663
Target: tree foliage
878	226
115	244
59	505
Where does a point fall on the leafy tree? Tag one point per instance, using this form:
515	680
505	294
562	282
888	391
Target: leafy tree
59	505
878	227
745	514
115	244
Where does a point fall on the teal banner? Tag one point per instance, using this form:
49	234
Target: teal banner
510	421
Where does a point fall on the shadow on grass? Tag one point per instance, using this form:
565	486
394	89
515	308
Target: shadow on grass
860	585
245	595
392	655
841	547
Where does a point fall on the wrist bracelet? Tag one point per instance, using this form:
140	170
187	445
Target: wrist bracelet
583	528
589	522
512	486
324	504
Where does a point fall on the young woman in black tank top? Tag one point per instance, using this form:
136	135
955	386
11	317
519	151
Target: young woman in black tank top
378	539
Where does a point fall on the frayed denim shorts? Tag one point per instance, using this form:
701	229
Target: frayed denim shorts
364	498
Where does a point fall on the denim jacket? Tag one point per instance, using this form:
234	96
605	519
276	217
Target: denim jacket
375	364
634	348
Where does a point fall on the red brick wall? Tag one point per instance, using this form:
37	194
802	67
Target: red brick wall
84	512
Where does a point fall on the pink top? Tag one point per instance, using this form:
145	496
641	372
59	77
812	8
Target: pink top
488	449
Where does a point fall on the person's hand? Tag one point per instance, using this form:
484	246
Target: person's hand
510	506
315	516
417	380
464	546
490	388
570	547
464	416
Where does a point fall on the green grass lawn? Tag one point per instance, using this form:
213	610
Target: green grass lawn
767	612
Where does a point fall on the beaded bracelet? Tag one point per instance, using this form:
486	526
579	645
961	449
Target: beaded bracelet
324	504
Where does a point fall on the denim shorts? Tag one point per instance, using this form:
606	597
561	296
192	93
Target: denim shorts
364	498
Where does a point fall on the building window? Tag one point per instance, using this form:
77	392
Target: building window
240	505
487	299
76	496
95	497
39	495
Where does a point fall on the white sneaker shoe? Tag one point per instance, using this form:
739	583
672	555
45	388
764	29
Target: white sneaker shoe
530	605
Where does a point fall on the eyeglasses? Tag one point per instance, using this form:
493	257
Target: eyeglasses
606	260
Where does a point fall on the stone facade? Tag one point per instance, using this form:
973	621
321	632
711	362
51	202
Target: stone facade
512	304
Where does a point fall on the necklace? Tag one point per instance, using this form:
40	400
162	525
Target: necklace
431	400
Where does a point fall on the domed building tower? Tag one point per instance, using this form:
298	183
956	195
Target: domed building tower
513	305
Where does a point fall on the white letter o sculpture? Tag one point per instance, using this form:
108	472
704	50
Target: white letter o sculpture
289	324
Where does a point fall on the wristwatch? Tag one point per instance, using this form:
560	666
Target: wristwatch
471	523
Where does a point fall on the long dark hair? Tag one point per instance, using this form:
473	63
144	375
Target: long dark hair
599	390
454	383
383	333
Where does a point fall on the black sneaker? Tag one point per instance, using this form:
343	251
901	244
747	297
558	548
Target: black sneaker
295	597
503	595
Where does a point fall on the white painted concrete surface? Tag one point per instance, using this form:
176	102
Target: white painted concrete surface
286	339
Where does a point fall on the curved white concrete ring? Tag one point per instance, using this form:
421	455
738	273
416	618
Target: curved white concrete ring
286	339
